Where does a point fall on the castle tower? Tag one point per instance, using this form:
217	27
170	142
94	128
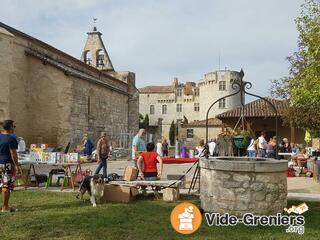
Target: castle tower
95	53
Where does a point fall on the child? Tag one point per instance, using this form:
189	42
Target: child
147	164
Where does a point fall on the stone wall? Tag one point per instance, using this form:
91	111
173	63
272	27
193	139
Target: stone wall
50	105
237	192
208	90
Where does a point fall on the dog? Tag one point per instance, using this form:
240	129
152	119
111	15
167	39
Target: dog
94	185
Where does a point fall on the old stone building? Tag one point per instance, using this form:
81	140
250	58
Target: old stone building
55	98
190	99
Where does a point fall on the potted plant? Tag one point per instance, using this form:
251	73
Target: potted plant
241	138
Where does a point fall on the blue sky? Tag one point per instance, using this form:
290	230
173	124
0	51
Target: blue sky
163	39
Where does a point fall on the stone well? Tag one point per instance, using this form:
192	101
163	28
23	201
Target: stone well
238	185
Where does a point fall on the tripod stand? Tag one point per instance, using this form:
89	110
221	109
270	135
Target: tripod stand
195	178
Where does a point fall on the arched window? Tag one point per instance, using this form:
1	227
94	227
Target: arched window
88	57
100	58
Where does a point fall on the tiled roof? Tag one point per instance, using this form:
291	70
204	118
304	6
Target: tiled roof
257	108
201	123
156	89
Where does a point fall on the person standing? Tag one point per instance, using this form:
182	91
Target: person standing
165	148
87	146
138	145
251	149
21	145
200	149
103	149
9	166
159	148
212	147
262	145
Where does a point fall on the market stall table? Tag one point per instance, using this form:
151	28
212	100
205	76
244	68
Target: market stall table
66	167
155	185
286	156
172	160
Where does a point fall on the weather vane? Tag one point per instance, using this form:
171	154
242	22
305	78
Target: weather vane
95	24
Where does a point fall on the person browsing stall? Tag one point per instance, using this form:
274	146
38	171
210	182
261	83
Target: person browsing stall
147	164
262	145
9	166
138	145
103	149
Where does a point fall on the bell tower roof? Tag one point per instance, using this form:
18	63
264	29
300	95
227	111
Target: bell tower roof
95	53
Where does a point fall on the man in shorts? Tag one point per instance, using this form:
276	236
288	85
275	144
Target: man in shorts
9	166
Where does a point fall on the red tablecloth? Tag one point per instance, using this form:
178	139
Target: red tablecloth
169	160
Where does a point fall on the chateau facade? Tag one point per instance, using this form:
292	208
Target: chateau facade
190	100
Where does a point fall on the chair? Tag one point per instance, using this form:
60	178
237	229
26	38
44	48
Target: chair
57	172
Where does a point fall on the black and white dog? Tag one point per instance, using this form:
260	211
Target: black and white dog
94	185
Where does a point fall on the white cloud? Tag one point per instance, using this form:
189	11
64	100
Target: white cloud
159	40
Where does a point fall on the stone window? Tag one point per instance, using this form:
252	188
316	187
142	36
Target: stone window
164	109
87	57
151	109
100	58
222	85
196	107
222	103
196	92
179	107
189	133
179	92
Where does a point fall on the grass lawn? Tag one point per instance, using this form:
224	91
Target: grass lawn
54	215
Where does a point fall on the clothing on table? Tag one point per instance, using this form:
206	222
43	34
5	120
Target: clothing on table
212	148
138	141
7	142
159	149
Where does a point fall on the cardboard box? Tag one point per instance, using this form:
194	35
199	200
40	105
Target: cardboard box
118	193
130	174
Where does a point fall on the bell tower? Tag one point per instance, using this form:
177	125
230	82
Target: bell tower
95	53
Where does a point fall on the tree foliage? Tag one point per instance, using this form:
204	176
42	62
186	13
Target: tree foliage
143	121
302	86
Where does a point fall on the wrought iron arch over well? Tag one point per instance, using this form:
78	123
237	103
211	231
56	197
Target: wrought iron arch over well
241	88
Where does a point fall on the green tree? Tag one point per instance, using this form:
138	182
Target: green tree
302	87
146	121
172	134
141	119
